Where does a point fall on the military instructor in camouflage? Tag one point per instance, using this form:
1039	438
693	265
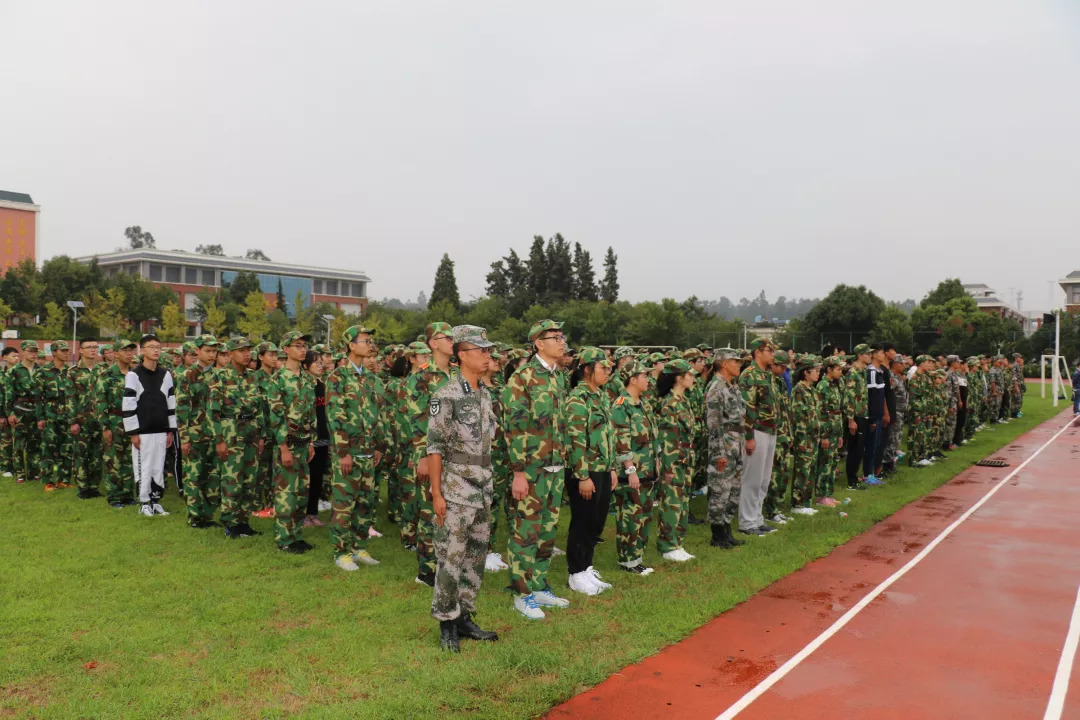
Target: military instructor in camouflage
459	438
725	419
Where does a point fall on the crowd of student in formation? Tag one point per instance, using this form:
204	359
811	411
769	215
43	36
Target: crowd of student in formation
276	431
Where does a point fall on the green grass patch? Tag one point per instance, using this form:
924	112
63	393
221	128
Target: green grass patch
105	614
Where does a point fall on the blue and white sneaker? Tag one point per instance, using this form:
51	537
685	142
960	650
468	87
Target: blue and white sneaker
546	598
526	605
873	480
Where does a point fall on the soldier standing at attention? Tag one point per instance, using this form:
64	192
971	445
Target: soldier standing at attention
459	442
109	397
808	436
53	420
201	480
291	398
7	441
263	497
780	478
725	418
22	404
235	418
352	414
676	427
86	427
535	409
762	408
637	452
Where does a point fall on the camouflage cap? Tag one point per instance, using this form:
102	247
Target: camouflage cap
923	358
188	347
516	354
679	367
624	351
438	328
237	343
125	345
417	348
320	349
103	348
809	362
759	343
495	354
952	358
861	349
543	326
692	354
833	361
265	347
635	368
726	353
703	347
972	360
337	357
781	357
590	355
1018	356
999	356
473	334
60	345
28	345
205	341
657	357
292	336
282	355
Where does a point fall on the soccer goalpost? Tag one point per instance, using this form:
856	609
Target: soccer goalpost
1059	369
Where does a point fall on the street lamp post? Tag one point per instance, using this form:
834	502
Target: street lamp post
329	319
74	305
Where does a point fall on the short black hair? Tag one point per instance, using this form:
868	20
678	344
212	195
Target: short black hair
87	339
887	346
8	351
147	338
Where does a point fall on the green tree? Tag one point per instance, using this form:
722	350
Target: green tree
893	325
278	323
845	316
105	311
64	279
139	239
243	285
609	288
5	313
254	323
214	321
255	254
142	299
305	316
55	325
584	276
536	271
23	289
173	324
946	290
210	250
560	271
280	300
445	290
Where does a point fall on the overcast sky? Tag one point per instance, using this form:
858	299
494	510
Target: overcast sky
720	147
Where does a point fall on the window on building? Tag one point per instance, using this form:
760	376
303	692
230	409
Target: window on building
172	273
209	277
155	273
317	287
191	276
331	287
359	289
132	268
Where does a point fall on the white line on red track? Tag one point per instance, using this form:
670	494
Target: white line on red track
778	674
1056	705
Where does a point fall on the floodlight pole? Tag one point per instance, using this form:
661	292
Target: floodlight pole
74	305
1057	353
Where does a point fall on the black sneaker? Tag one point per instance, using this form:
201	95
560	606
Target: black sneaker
766	529
426	579
410	548
856	486
305	545
293	549
118	505
754	531
637	569
246	530
202	524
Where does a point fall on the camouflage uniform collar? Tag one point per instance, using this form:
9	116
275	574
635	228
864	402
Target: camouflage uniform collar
540	361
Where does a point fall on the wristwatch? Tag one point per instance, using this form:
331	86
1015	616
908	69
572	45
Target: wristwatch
632	470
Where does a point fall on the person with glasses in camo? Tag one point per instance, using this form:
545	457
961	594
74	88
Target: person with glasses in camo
535	431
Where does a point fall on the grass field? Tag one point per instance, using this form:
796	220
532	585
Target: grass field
105	614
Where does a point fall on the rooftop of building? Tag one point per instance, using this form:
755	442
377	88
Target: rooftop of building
223	262
16	197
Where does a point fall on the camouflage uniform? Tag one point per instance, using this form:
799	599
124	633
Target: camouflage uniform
725	418
806	420
535	435
952	398
780	480
87	450
202	481
500	470
919	388
997	388
291	399
118	471
236	414
896	425
7	452
831	401
1019	387
52	409
635	440
264	479
676	426
353	417
461	429
762	408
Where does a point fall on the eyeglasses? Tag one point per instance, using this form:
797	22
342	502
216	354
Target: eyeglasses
441	337
365	341
300	345
559	337
486	351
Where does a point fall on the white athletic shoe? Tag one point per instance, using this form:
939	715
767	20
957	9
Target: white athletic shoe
494	563
7	474
158	510
346	563
599	580
676	555
527	606
147	510
779	519
804	511
924	462
555	552
325	505
546	598
373	533
582	582
687	555
363	557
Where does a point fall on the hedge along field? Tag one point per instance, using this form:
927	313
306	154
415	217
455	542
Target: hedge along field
105	614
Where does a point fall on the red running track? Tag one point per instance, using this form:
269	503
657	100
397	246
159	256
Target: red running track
974	630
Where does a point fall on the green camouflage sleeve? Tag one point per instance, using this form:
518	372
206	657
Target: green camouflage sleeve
215	403
277	401
577	433
518	410
668	430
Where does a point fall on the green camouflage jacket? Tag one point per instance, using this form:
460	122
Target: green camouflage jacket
81	399
919	389
461	429
417	392
831	400
783	411
291	397
589	432
725	418
193	404
806	418
675	426
535	407
636	436
235	405
263	378
759	395
352	411
22	393
856	394
109	399
54	388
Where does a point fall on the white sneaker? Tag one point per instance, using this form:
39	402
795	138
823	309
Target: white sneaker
599	580
582	582
363	557
686	555
325	505
373	533
647	571
546	598
7	474
803	511
923	463
146	510
779	519
346	563
555	552
676	555
158	510
526	605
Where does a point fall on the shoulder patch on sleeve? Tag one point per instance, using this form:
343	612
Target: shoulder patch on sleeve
620	400
435	406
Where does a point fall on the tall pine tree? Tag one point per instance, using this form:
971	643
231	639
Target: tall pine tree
280	303
560	270
536	268
584	277
609	288
445	289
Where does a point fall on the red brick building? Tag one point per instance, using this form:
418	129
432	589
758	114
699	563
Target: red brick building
18	229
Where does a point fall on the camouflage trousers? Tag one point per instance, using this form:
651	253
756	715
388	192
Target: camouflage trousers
410	500
673	509
724	485
118	470
893	435
56	452
238	472
7	449
500	501
353	513
972	420
425	528
290	496
950	426
460	546
87	456
633	520
396	494
700	475
779	481
1017	401
390	467
535	524
27	449
918	441
201	482
264	479
828	466
804	472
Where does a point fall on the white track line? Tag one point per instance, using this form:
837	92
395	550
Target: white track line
1061	680
778	674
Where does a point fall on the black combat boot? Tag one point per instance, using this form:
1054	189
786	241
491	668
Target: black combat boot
718	539
466	628
730	537
449	640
